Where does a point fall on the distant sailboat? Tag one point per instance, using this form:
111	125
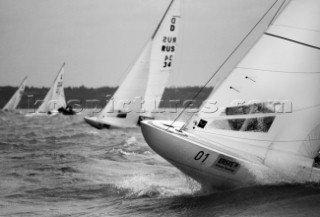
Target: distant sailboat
147	78
15	99
266	120
54	102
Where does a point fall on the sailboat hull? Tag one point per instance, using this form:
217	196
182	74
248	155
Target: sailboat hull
40	114
213	169
93	121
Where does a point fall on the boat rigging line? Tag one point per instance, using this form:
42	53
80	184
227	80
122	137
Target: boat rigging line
224	62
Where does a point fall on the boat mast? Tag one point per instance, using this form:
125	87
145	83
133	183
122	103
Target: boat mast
158	27
280	9
59	72
25	78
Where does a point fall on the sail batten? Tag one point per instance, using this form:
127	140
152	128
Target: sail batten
291	40
267	70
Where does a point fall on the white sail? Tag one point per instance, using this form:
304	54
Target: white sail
55	97
120	110
162	55
269	104
15	99
262	123
147	78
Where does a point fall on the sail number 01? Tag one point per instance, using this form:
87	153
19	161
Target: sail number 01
201	156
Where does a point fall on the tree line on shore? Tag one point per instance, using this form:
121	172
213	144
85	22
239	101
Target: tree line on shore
98	97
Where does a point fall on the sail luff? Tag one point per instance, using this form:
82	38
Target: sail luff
160	23
60	71
24	80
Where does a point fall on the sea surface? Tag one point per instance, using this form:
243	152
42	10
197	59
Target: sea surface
60	166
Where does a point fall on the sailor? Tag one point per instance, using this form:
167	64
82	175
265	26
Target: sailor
139	120
69	108
60	109
316	162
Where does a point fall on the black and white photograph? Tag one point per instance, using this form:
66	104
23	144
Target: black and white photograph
140	108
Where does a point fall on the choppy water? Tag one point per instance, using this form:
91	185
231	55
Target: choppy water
60	166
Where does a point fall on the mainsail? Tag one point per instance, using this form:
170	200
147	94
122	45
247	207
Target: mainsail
262	123
134	86
164	43
55	96
269	105
148	76
15	99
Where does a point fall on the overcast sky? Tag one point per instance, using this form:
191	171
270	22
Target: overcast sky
99	39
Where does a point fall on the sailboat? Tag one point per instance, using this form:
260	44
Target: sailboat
15	99
140	92
261	125
55	102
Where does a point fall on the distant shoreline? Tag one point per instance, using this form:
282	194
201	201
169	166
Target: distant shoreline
171	97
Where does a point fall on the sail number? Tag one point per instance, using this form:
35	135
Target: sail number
173	21
59	85
201	156
168	44
167	61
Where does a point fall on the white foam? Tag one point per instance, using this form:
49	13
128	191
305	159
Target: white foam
148	185
131	141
